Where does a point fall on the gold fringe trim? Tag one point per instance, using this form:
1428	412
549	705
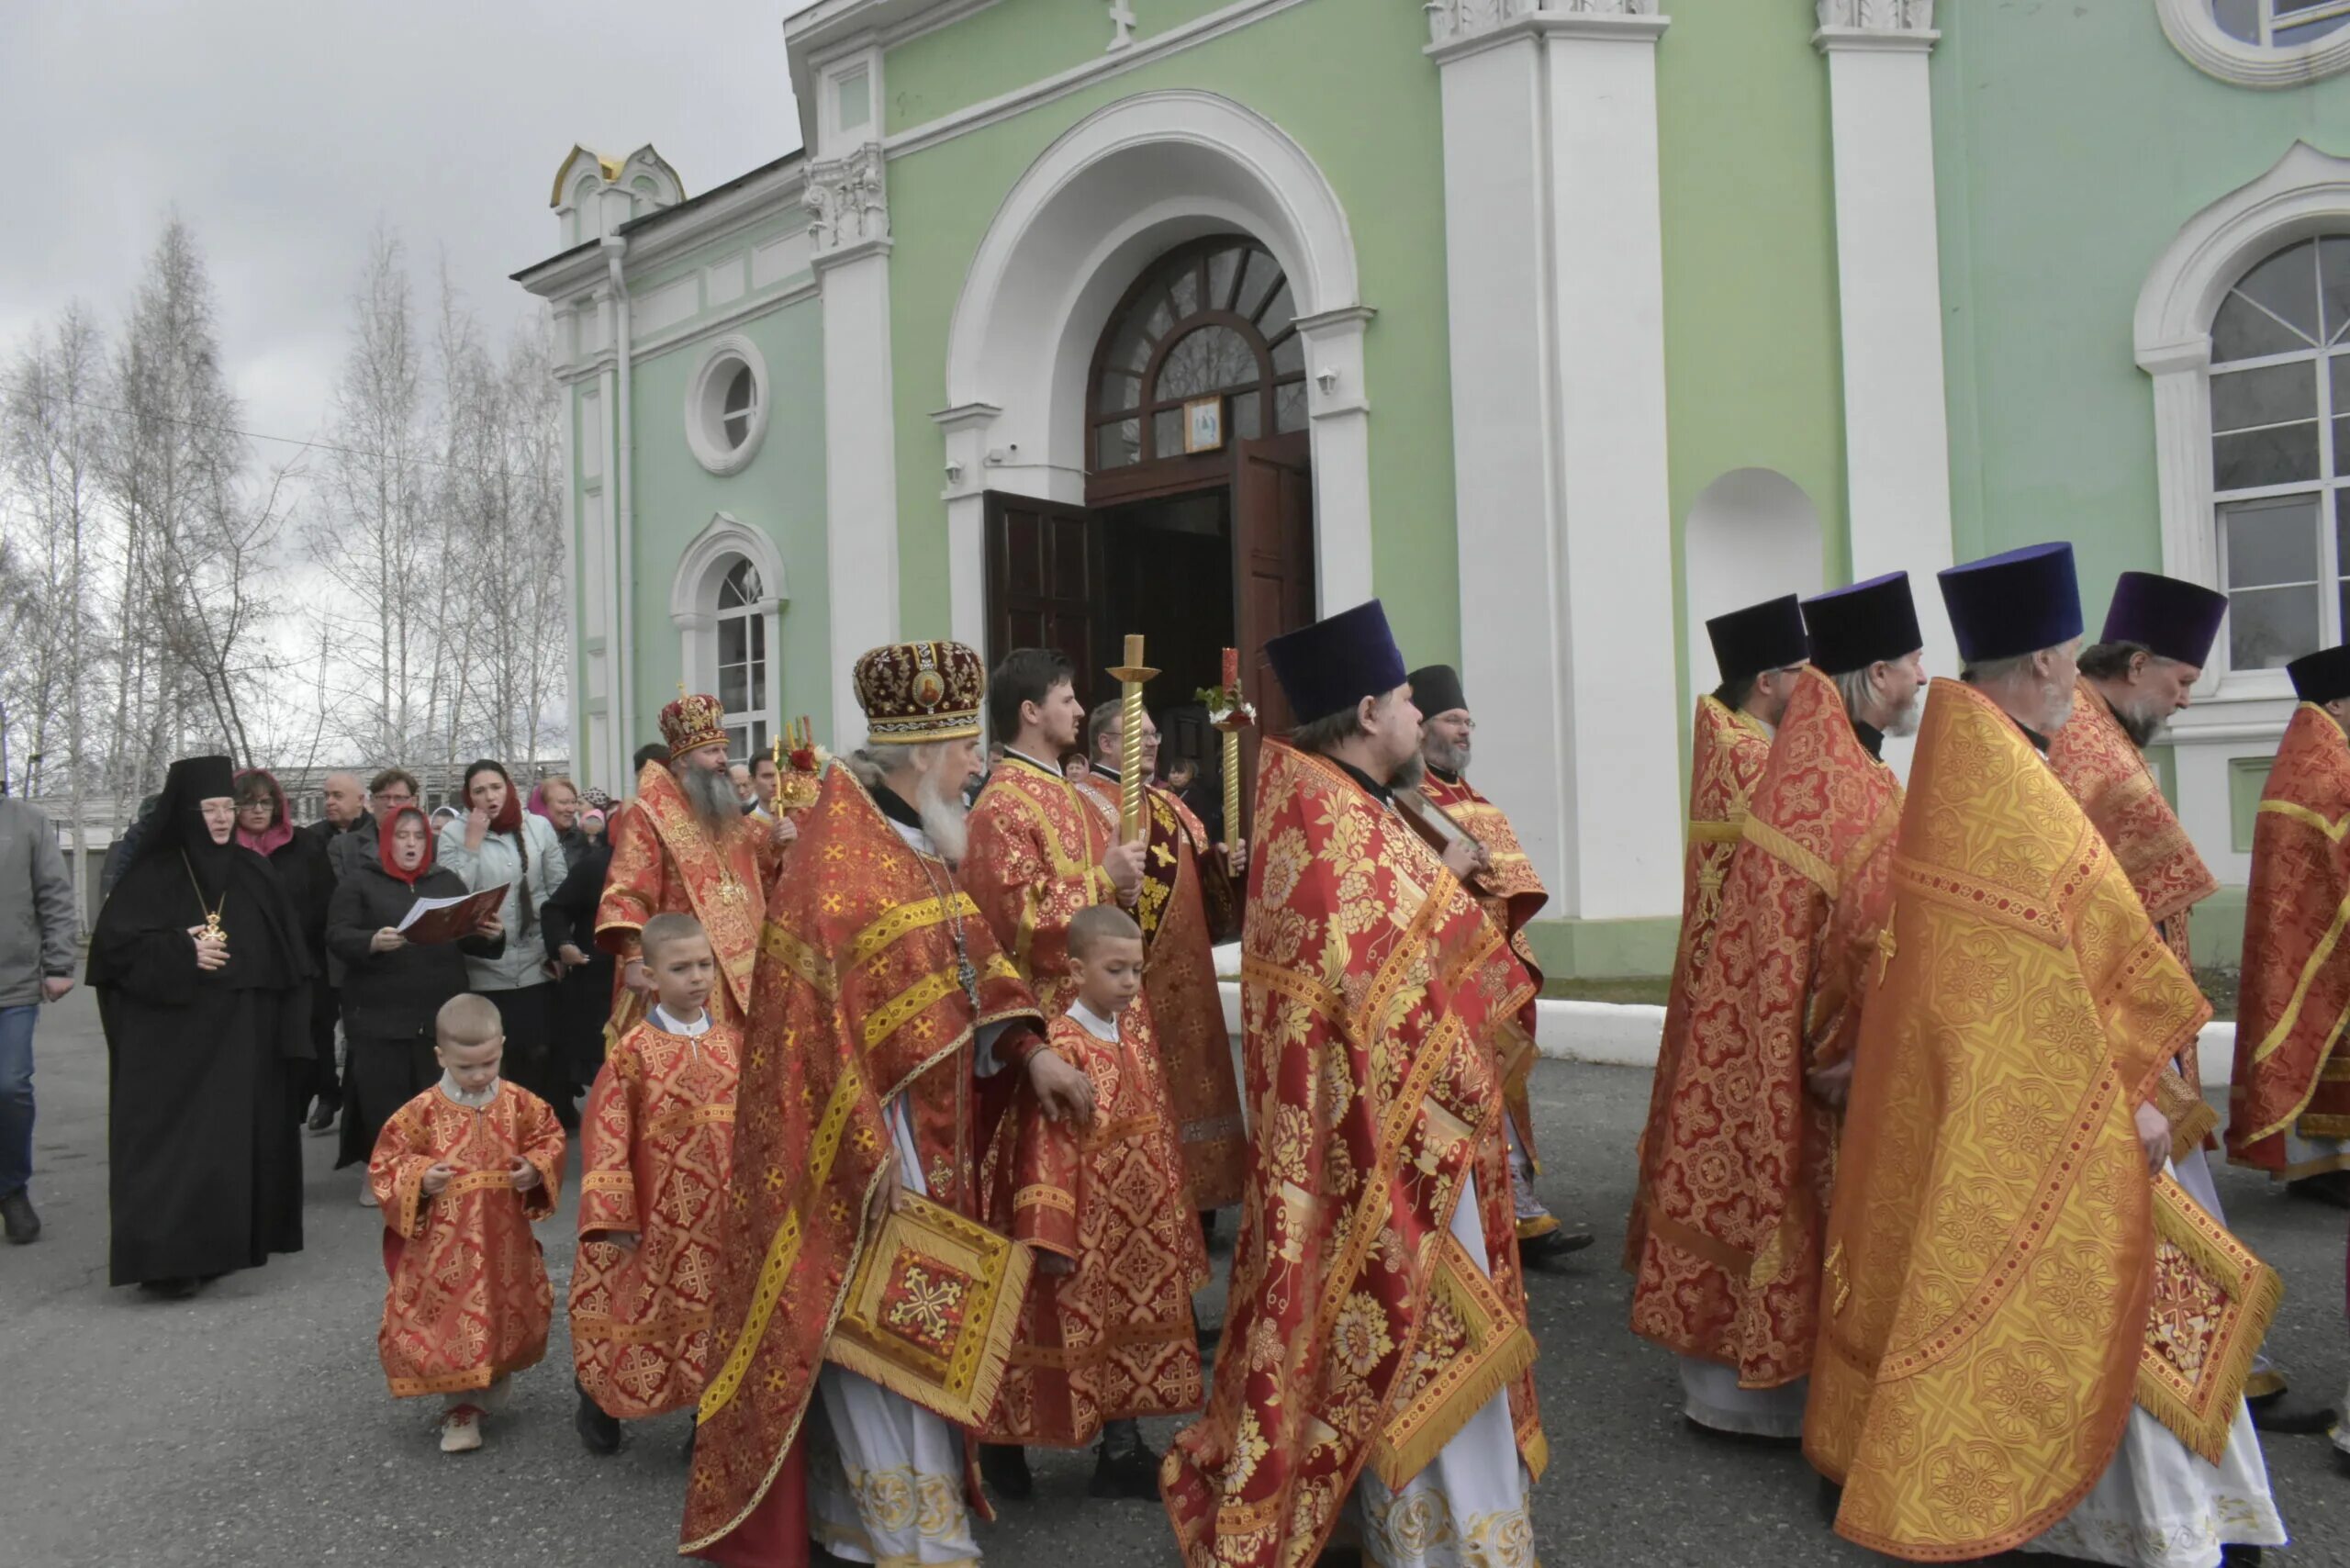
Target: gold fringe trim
2203	1416
1501	1361
968	1406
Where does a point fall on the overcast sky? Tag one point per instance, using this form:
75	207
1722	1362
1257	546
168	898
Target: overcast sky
283	129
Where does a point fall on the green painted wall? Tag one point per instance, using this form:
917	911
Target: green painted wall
1014	44
780	491
1386	167
1754	375
2071	143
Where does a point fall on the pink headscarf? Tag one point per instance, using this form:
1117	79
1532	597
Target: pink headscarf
537	805
280	831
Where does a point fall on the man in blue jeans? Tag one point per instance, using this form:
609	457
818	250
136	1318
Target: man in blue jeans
37	927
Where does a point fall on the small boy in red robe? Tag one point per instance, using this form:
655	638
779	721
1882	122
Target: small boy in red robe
461	1172
1107	1334
656	1146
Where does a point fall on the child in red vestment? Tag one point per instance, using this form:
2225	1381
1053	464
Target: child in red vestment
657	1143
461	1172
1107	1334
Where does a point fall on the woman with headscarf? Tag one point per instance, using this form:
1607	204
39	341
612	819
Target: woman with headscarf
265	826
584	998
393	987
497	844
203	984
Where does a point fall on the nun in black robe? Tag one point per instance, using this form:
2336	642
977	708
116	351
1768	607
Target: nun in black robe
207	1168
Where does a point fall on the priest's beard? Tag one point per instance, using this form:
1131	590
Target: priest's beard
1441	753
2140	722
712	795
944	816
1410	774
2056	699
1905	723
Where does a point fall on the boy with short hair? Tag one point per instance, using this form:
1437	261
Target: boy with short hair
1107	1334
657	1146
461	1172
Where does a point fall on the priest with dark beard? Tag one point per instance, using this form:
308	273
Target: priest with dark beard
684	847
204	991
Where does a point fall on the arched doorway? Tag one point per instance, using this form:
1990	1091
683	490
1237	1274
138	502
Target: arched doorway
1197	526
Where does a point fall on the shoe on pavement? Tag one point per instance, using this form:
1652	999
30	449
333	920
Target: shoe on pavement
1552	1244
1131	1472
170	1290
367	1194
461	1430
1004	1467
2290	1416
17	1212
2325	1187
322	1115
600	1433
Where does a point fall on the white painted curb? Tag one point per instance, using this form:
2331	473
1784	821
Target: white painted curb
1614	1033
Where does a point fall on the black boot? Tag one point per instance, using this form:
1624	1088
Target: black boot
170	1290
1004	1467
598	1433
2238	1556
2325	1187
1553	1244
1124	1465
17	1212
2289	1415
322	1115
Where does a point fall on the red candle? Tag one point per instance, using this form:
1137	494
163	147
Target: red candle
1231	669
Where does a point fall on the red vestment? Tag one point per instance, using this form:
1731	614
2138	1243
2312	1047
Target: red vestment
1359	1331
1728	751
1511	892
469	1300
1186	1004
2291	1074
1034	861
1115	1338
1744	1157
655	1145
858	999
665	863
2106	772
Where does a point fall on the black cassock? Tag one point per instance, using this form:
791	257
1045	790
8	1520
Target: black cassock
207	1168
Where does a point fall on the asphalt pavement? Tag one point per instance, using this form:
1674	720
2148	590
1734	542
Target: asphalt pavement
250	1425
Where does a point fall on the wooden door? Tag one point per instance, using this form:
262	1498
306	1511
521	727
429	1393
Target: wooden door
1045	582
1272	569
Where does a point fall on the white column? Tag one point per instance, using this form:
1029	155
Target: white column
1554	255
1888	260
1339	414
850	235
966	429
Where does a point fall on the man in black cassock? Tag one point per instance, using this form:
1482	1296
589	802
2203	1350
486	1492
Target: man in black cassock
202	986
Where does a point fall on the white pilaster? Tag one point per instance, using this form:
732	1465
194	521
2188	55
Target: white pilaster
966	428
1888	258
849	234
1554	255
1340	416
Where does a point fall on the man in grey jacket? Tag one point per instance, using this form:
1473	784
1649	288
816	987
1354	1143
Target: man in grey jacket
37	952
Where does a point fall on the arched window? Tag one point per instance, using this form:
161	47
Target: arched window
1213	319
2281	453
742	628
2279	24
2260	44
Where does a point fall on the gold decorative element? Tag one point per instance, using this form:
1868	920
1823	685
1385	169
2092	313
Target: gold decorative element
1131	676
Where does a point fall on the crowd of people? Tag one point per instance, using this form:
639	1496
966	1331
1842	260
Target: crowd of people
911	1103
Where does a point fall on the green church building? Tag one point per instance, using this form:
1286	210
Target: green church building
1559	325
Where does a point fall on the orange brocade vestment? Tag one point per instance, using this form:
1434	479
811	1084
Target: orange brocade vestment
1115	1338
1992	1248
1511	892
663	863
469	1300
655	1145
859	998
1374	993
1186	1005
1728	751
2108	773
1034	861
1743	1157
2291	1074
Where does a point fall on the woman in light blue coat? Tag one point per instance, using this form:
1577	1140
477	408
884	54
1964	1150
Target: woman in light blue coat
497	844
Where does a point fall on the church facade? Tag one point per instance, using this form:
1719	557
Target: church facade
1557	324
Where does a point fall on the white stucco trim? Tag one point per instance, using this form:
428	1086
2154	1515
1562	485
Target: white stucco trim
1888	277
2307	191
1114	192
693	602
2192	31
705	395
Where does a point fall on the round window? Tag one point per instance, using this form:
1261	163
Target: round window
726	405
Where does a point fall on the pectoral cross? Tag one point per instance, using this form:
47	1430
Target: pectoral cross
1886	947
1121	16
